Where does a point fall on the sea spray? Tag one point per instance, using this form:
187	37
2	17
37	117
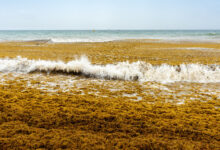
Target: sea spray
139	70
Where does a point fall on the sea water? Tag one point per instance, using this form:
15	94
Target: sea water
109	35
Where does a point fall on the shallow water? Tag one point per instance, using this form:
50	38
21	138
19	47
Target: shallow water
109	35
176	92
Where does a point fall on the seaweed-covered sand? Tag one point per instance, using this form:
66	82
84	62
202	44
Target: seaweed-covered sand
134	94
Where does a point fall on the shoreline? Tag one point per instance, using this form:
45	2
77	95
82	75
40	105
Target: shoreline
147	40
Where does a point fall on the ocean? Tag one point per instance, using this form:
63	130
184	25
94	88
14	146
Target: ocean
109	35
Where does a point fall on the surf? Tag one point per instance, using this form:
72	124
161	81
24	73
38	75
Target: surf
137	71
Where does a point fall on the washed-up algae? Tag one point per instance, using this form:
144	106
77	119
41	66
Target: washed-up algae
111	52
32	118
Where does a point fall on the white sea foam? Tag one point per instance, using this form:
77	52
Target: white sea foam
75	40
140	71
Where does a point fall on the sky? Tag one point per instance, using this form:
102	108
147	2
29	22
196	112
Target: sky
109	14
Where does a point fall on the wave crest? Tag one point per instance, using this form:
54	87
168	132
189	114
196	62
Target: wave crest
139	70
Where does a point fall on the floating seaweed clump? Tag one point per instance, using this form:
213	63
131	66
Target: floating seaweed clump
154	53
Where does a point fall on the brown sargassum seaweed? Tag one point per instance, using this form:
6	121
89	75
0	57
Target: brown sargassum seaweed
155	53
34	119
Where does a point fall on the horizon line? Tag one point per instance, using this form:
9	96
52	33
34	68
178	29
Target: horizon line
102	29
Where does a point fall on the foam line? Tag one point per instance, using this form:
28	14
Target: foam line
140	71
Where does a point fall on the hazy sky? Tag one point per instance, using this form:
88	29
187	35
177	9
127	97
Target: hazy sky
109	14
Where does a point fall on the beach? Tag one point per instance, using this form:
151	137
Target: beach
121	94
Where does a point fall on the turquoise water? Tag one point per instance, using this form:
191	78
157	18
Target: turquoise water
109	35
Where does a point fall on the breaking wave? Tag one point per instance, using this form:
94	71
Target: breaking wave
139	70
80	40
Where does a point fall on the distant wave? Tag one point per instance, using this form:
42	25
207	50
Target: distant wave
212	34
74	40
60	40
140	71
161	39
28	40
